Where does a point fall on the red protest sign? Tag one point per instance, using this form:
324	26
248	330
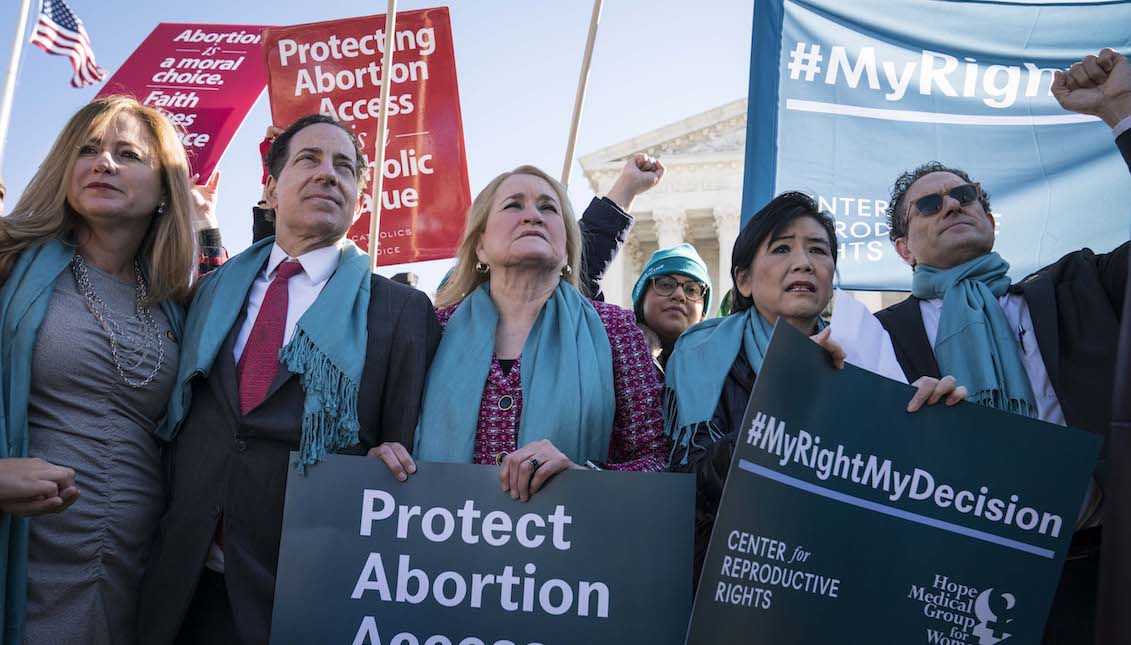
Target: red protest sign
205	77
334	68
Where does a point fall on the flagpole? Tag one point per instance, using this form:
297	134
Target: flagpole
10	79
579	99
382	124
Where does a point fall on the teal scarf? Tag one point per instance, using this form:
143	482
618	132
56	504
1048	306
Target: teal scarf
327	348
975	342
23	305
567	380
698	368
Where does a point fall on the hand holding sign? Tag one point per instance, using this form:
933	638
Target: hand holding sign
836	353
396	457
525	470
1097	85
931	390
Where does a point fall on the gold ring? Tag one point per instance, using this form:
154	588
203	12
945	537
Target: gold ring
499	458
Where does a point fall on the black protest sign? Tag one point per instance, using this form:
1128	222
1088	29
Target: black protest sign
846	519
448	558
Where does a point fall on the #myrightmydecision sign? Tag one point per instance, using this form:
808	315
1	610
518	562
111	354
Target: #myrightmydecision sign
846	519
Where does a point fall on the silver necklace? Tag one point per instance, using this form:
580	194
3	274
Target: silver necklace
135	348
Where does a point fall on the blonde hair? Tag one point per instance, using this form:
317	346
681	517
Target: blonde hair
168	252
465	278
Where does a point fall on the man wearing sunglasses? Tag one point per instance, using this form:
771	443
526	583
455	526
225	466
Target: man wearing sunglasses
1044	347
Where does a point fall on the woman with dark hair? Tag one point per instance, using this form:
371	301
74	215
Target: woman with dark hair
672	294
782	266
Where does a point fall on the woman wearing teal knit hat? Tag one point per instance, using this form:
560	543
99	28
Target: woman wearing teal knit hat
672	294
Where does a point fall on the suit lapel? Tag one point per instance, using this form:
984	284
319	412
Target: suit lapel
282	375
225	369
904	321
1038	294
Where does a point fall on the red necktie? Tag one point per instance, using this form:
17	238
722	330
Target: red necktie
260	358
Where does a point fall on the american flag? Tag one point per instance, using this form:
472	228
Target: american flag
59	31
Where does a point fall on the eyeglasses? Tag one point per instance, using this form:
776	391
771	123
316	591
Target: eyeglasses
666	285
963	194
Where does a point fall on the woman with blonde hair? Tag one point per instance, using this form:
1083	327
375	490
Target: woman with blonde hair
530	374
95	260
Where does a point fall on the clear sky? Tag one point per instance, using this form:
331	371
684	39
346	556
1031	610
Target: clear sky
655	62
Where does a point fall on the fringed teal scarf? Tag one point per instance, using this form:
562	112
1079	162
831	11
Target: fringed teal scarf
567	380
975	342
327	348
23	305
698	367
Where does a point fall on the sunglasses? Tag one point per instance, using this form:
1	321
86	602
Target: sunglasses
666	286
963	194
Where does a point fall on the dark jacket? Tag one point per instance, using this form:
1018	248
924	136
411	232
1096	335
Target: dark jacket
225	464
710	459
604	228
1113	620
1076	304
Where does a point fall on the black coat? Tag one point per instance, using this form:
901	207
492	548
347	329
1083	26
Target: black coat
604	227
1113	620
710	459
238	464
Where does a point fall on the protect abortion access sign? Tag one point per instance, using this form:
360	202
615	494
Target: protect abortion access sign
447	558
334	68
205	77
845	519
845	96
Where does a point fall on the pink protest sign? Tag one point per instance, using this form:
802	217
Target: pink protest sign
205	77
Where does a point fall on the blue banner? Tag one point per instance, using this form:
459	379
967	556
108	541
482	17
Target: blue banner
844	96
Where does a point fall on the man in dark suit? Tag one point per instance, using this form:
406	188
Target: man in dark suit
210	577
1065	319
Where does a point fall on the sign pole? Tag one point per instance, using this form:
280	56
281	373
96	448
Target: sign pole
10	79
579	100
382	125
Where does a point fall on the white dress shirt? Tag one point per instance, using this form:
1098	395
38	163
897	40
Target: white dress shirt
1017	313
302	290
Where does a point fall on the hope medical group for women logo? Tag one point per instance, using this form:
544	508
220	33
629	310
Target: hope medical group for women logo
961	614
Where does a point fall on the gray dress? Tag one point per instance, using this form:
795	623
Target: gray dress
85	564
